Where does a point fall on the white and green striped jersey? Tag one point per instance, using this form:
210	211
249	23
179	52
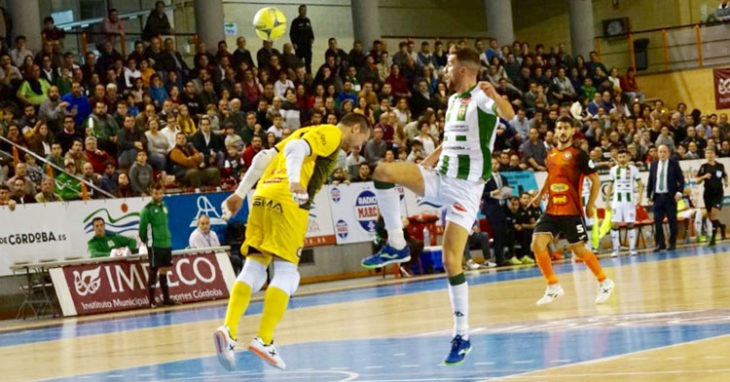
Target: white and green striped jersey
469	131
624	183
585	191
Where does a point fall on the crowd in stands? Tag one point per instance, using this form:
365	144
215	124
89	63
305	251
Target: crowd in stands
122	122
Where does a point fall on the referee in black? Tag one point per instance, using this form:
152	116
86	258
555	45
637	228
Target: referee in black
713	175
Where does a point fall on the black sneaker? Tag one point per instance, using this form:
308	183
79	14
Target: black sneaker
170	302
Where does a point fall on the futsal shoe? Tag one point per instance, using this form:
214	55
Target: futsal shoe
170	302
225	347
605	288
552	292
514	261
460	347
633	253
386	256
471	265
614	254
267	352
527	260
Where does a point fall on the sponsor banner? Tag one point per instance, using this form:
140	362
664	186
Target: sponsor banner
320	230
58	230
520	181
722	88
113	286
354	212
185	209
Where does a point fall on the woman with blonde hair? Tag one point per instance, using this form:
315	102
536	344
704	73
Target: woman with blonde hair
185	121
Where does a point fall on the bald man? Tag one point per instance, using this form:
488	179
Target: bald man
666	184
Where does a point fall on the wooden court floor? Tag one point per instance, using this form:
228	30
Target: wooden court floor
669	320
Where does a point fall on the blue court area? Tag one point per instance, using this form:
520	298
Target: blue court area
109	325
420	358
497	351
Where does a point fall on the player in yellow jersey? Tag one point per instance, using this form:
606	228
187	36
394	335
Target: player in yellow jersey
290	175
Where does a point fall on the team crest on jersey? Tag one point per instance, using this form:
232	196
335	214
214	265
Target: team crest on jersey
559	187
567	156
461	115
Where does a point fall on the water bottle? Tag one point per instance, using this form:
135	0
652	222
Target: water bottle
426	237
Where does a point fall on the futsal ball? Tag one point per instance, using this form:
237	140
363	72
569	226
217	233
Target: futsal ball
270	23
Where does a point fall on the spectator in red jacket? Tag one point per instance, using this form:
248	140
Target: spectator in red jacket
97	157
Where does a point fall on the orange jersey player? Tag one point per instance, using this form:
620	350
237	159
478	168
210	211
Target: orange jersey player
566	166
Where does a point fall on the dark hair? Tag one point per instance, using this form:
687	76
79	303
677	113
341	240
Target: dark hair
3	187
157	186
20	37
467	56
94	220
48	19
351	119
564	119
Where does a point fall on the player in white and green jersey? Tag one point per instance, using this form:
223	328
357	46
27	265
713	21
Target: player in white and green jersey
585	194
624	190
469	131
456	182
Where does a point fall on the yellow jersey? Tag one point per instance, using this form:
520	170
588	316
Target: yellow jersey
324	142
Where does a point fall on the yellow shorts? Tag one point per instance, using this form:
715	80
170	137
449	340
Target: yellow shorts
276	228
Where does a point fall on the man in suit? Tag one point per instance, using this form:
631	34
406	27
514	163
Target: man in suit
666	184
493	208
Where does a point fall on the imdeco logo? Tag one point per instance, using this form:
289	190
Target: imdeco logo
87	282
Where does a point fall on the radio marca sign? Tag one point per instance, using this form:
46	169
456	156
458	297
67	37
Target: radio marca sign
113	286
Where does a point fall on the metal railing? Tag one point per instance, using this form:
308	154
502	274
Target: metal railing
55	167
668	48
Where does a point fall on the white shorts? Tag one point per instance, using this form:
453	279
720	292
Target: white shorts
460	197
623	212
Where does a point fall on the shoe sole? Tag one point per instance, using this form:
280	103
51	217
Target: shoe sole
385	264
219	339
459	362
265	357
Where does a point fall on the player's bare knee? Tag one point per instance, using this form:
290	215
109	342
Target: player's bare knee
538	244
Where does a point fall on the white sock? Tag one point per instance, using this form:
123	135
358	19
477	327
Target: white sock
632	239
389	206
708	227
698	224
616	240
459	295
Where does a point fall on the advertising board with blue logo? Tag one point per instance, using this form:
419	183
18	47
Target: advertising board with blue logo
520	181
354	209
185	209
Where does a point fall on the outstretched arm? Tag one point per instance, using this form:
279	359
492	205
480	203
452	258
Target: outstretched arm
504	108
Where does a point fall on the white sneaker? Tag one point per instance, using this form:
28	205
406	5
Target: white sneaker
267	352
614	254
225	347
472	265
552	292
605	288
633	252
490	264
